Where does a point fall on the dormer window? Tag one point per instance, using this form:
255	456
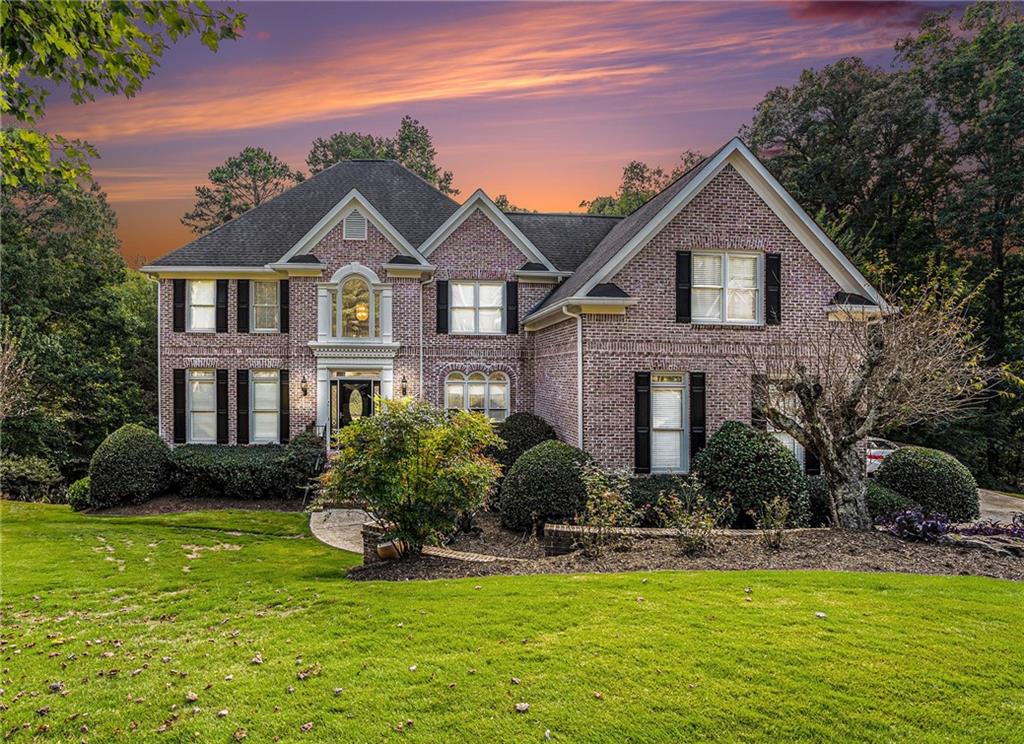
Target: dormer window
354	226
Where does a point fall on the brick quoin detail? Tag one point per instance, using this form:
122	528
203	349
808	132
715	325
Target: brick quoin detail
541	365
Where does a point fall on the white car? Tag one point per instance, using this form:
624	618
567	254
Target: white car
878	450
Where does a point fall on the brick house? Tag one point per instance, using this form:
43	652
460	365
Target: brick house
626	334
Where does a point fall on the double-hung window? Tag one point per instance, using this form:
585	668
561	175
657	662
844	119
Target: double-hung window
202	406
477	307
202	305
487	394
265	405
726	288
266	306
669	452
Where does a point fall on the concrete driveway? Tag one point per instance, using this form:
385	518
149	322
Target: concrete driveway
999	506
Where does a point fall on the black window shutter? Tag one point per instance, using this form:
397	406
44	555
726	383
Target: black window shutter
812	465
222	406
242	404
285	417
285	298
684	266
243	305
773	289
179	406
179	304
222	306
757	402
442	306
698	417
512	307
642	422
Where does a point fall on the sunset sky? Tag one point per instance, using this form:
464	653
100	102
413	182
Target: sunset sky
543	102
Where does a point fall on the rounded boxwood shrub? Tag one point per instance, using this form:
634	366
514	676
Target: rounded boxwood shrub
520	432
78	494
305	458
937	482
750	468
130	466
646	492
29	479
543	485
884	502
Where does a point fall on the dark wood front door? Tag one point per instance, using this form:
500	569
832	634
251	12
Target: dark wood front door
355	401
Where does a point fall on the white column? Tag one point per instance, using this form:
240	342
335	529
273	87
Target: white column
323	397
323	314
385	315
387	382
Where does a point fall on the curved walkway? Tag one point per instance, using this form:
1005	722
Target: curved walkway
999	506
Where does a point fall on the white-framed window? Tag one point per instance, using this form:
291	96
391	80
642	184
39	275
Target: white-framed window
791	405
202	305
669	451
476	307
266	306
264	406
354	226
201	405
477	391
727	288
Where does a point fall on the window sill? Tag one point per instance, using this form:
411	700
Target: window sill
725	324
485	334
265	331
198	330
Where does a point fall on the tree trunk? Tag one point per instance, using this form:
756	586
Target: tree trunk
846	488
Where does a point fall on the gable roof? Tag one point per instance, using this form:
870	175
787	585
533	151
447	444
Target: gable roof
566	239
263	235
632	233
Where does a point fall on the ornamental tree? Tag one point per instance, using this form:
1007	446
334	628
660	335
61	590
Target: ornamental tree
416	469
862	376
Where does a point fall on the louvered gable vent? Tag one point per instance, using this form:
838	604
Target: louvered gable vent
355	226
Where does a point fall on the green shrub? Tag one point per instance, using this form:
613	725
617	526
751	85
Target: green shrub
819	503
130	466
305	459
78	494
222	471
937	482
753	468
519	432
29	479
882	501
543	485
418	470
647	492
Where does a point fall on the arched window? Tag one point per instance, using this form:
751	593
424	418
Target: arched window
355	308
487	394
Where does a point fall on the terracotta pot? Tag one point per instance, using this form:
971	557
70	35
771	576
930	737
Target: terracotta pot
389	550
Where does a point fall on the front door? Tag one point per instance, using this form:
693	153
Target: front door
355	400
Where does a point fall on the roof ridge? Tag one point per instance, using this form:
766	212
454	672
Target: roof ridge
567	214
414	174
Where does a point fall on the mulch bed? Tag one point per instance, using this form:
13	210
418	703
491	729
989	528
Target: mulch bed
174	504
826	550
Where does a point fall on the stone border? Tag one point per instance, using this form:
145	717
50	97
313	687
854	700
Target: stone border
560	539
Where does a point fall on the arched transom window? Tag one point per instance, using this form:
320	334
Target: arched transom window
479	392
355	308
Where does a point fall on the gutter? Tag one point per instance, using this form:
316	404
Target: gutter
579	374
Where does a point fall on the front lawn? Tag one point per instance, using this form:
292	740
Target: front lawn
130	614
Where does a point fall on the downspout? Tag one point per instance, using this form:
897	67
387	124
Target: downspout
579	374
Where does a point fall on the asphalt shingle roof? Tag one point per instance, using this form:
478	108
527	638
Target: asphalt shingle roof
565	239
264	234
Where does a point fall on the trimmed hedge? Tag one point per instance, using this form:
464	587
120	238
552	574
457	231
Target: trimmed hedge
78	494
29	479
305	458
750	468
543	485
520	432
130	466
938	482
884	502
225	471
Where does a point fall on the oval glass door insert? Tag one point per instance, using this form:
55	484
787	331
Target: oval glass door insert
355	404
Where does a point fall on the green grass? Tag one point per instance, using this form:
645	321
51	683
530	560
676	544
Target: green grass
682	657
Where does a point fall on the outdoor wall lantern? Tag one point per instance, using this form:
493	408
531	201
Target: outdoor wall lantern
405	386
362	312
304	386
